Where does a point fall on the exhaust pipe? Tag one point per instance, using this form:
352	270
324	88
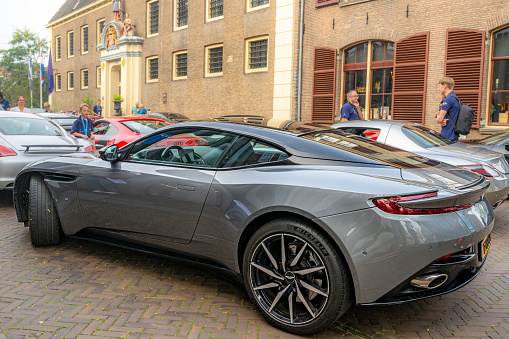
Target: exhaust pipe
430	281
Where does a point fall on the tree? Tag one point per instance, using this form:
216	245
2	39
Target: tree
14	63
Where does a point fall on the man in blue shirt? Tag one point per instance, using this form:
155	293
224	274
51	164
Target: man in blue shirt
4	103
97	109
449	109
143	110
351	110
82	127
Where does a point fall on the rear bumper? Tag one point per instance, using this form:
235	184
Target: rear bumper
497	192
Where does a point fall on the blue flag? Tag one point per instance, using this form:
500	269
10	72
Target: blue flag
51	80
30	74
42	75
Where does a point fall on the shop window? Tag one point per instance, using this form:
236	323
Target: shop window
181	14
499	108
70	44
84	78
214	9
98	77
84	39
257	4
70	81
152	69
58	43
368	69
214	60
58	82
180	65
100	26
153	18
257	55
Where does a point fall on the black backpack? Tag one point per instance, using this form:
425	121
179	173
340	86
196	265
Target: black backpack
466	115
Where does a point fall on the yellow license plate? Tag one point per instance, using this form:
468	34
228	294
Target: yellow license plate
485	246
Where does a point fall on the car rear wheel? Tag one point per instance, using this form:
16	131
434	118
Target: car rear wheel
296	277
43	221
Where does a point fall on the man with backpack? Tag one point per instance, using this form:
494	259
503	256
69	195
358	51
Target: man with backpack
449	109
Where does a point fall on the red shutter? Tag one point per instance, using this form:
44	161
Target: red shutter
464	63
320	3
324	85
409	85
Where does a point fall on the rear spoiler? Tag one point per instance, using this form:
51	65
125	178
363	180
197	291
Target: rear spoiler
77	147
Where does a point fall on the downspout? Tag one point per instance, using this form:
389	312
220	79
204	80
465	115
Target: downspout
301	38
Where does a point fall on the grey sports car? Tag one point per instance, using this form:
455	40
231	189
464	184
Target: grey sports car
310	219
421	140
498	142
26	137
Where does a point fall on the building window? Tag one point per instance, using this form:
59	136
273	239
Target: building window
98	77
58	82
214	9
152	69
214	62
84	78
70	81
58	47
257	54
257	4
153	17
180	13
499	108
70	44
375	58
84	39
180	65
100	27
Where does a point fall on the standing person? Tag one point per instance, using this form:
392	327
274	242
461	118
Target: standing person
82	127
47	107
4	103
351	110
21	106
143	109
449	108
136	109
97	109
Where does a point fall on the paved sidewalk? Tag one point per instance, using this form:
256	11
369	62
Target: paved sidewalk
86	290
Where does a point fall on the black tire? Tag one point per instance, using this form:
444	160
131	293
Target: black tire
43	220
313	271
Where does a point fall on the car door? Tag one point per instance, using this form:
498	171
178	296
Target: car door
157	192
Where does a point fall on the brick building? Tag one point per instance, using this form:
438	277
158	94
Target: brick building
215	57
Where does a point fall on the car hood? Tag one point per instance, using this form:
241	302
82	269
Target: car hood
21	141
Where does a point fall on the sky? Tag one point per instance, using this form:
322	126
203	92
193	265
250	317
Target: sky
31	14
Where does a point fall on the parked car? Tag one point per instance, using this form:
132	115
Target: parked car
26	137
63	119
170	117
421	140
309	221
498	142
124	129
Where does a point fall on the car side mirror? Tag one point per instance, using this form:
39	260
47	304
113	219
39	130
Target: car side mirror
109	153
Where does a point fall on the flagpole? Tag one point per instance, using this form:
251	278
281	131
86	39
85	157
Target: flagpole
40	77
30	82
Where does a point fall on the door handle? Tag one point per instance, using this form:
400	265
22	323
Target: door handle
186	188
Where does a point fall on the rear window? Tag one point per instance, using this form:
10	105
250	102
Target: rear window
144	126
370	149
64	121
29	126
496	138
425	137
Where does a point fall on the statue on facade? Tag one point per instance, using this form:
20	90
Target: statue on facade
127	28
116	9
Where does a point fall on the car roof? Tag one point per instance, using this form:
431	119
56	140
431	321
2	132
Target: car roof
57	115
128	118
375	122
11	114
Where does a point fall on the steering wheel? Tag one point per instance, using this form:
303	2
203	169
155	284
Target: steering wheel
168	152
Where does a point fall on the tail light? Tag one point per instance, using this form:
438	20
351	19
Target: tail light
7	152
485	170
392	205
90	148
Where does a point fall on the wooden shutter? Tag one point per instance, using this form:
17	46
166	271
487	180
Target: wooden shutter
324	85
320	3
409	84
464	63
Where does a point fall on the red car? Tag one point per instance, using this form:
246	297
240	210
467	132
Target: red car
123	130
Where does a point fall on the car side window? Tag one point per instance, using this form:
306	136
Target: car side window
101	128
248	151
195	147
370	133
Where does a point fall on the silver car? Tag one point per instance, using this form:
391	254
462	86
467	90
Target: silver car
415	138
498	142
63	119
310	220
26	137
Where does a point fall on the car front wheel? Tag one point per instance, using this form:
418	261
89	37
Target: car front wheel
43	221
296	277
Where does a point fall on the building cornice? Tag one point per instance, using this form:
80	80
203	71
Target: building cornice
79	12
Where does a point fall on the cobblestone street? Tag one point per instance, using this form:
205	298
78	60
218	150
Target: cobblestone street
87	290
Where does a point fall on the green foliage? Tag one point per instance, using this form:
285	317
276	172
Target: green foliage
14	63
117	97
88	100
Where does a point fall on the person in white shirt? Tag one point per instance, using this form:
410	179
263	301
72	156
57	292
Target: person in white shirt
21	106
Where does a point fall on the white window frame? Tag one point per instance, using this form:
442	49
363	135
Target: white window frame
69	44
147	63
83	78
208	17
175	16
73	81
175	77
207	61
246	51
58	75
98	77
57	38
82	38
249	8
148	18
98	28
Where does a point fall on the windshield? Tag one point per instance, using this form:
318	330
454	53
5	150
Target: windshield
144	126
425	137
496	138
28	126
370	149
